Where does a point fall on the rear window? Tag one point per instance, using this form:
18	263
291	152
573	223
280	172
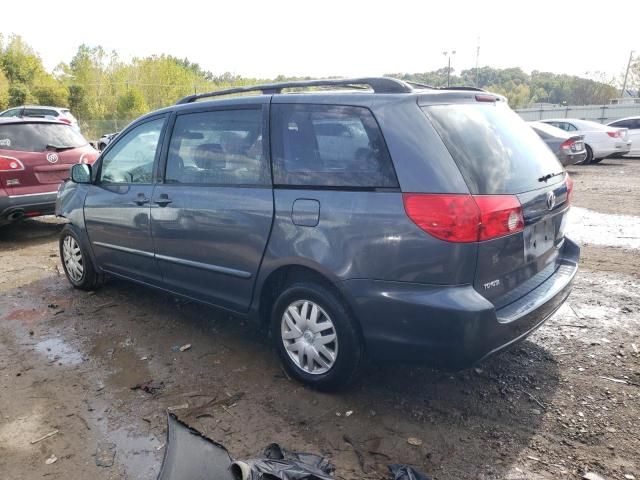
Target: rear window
35	137
329	146
495	150
549	130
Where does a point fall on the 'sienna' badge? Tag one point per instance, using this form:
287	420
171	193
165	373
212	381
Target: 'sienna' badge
52	157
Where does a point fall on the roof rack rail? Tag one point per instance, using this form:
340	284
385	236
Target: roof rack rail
377	84
473	89
423	85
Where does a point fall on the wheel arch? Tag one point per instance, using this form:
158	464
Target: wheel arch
285	274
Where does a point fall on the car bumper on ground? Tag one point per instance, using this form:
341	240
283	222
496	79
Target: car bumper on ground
15	207
453	326
572	159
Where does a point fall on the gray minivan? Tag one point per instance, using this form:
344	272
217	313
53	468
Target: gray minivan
383	218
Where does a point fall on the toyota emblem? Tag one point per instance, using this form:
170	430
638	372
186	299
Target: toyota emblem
52	157
551	200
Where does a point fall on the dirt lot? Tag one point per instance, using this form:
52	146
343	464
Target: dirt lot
564	402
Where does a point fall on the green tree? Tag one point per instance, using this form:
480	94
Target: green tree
132	104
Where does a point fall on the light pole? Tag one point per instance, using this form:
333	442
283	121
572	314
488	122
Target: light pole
626	74
448	54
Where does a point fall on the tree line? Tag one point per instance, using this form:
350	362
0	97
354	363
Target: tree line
99	86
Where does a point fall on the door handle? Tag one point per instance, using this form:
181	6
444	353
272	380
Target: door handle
141	199
163	200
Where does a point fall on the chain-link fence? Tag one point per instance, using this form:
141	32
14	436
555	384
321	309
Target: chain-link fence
94	129
596	113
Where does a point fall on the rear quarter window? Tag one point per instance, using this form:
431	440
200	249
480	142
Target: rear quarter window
495	150
329	146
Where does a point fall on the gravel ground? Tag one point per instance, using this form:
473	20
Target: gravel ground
564	402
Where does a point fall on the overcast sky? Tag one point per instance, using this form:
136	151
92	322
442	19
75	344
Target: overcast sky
265	38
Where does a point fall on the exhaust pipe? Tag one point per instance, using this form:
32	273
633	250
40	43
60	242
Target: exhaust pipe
16	215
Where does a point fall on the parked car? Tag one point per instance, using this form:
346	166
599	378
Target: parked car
435	232
105	140
569	149
63	115
601	141
632	124
36	155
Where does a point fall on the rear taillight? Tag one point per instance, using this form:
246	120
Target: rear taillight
499	215
64	120
10	164
616	134
569	188
465	218
567	144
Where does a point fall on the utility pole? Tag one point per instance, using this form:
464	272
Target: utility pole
626	74
477	58
448	55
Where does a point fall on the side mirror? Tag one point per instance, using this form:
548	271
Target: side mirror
81	173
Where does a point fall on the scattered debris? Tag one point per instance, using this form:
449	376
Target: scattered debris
190	454
592	476
182	406
52	459
405	472
105	454
44	437
181	348
616	380
628	476
103	306
348	413
416	442
151	387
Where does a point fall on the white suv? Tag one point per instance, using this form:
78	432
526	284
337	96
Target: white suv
61	114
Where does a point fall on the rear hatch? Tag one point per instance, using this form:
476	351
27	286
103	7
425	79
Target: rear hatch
499	155
39	155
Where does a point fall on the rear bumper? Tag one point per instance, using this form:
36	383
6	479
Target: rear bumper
572	159
14	206
619	148
453	326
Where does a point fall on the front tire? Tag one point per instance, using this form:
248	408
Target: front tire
76	262
316	336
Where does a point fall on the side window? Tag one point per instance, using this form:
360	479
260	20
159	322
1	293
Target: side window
14	112
569	127
329	146
131	158
222	147
635	125
622	124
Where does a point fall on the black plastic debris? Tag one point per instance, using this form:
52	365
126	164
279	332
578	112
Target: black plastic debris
189	455
405	472
283	465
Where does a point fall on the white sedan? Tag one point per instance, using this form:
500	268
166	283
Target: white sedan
632	124
601	141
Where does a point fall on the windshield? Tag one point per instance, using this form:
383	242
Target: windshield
35	137
549	130
495	150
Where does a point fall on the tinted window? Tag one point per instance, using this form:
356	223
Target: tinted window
39	112
319	145
14	112
496	151
131	158
34	137
622	124
218	148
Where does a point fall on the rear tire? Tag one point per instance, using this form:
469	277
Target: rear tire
316	336
596	160
589	158
76	261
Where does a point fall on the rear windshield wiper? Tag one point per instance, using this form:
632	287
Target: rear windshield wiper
546	177
57	148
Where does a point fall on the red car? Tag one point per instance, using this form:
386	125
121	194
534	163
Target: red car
36	155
